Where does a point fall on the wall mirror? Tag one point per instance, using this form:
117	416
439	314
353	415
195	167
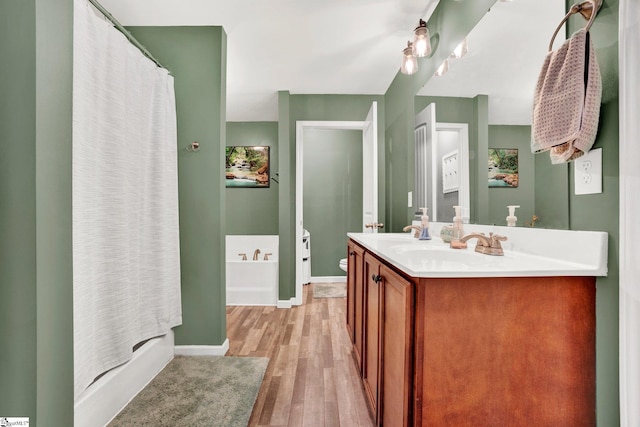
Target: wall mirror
506	51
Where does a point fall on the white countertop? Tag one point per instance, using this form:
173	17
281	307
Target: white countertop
528	252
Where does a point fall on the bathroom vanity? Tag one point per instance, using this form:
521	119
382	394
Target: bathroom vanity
445	337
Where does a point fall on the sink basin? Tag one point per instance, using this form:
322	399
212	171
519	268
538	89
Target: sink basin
441	256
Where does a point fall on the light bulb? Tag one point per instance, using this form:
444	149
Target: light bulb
460	50
421	42
409	62
443	68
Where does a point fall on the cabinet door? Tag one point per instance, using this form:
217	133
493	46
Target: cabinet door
355	292
372	332
396	380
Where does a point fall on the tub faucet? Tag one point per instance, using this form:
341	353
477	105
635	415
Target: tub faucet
244	256
486	245
266	256
417	229
255	254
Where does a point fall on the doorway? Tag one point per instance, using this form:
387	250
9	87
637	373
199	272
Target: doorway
370	179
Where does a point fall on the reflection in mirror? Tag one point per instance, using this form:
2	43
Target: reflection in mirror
490	89
443	149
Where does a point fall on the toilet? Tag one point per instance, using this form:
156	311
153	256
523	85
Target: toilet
343	264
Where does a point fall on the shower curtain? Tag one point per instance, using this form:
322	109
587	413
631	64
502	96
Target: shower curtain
629	39
126	266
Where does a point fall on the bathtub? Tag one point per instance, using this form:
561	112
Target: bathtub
251	282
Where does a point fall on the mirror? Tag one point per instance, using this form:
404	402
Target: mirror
491	90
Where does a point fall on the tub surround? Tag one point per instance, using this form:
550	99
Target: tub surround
252	270
450	337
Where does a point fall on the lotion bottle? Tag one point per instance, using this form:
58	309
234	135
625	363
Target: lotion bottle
424	225
511	219
458	231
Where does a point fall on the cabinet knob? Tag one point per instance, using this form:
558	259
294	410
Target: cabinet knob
376	278
352	253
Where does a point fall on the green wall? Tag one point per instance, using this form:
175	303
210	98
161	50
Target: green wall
196	56
18	278
294	108
601	212
36	323
519	137
254	210
332	202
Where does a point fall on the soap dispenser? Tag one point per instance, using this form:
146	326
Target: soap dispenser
511	219
424	225
458	231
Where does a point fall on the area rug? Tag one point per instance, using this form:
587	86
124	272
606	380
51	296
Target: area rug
329	290
198	391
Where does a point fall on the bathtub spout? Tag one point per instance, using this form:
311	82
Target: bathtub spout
255	254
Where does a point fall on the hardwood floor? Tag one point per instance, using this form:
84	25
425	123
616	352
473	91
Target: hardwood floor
311	379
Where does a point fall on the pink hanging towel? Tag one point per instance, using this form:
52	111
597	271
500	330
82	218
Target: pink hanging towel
566	105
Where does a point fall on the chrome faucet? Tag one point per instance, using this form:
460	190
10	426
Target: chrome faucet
486	245
255	254
417	229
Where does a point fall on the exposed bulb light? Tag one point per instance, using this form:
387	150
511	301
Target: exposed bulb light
443	68
409	62
421	42
460	50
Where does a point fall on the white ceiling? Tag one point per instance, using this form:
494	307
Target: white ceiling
303	46
354	47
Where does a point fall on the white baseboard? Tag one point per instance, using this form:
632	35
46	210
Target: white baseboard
106	397
328	279
284	303
202	350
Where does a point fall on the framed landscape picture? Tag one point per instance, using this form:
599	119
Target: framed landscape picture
503	168
247	166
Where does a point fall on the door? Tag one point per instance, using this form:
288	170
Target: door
372	332
425	138
441	166
370	172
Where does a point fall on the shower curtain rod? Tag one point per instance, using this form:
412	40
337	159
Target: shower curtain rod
126	33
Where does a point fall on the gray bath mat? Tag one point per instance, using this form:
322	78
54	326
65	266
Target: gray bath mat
329	290
198	391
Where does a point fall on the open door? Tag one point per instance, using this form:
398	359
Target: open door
370	222
442	166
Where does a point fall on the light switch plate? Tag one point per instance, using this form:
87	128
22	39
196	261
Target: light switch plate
588	173
410	199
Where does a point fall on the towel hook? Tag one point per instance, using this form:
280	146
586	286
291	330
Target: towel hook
588	9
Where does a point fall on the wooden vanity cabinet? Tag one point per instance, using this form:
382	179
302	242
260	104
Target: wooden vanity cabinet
387	370
499	351
488	351
355	290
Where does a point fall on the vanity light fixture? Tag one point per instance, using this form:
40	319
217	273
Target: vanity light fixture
460	50
409	62
443	68
421	42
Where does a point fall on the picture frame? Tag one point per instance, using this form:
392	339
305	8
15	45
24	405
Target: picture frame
247	166
503	168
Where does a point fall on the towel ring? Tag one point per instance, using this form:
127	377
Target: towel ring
588	9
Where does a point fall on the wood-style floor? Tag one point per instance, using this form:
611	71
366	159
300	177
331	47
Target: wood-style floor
311	379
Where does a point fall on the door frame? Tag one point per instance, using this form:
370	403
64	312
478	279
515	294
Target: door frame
301	126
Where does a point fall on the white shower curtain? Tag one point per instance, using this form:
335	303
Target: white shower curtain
126	266
629	38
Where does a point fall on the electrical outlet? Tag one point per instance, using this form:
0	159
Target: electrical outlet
588	173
